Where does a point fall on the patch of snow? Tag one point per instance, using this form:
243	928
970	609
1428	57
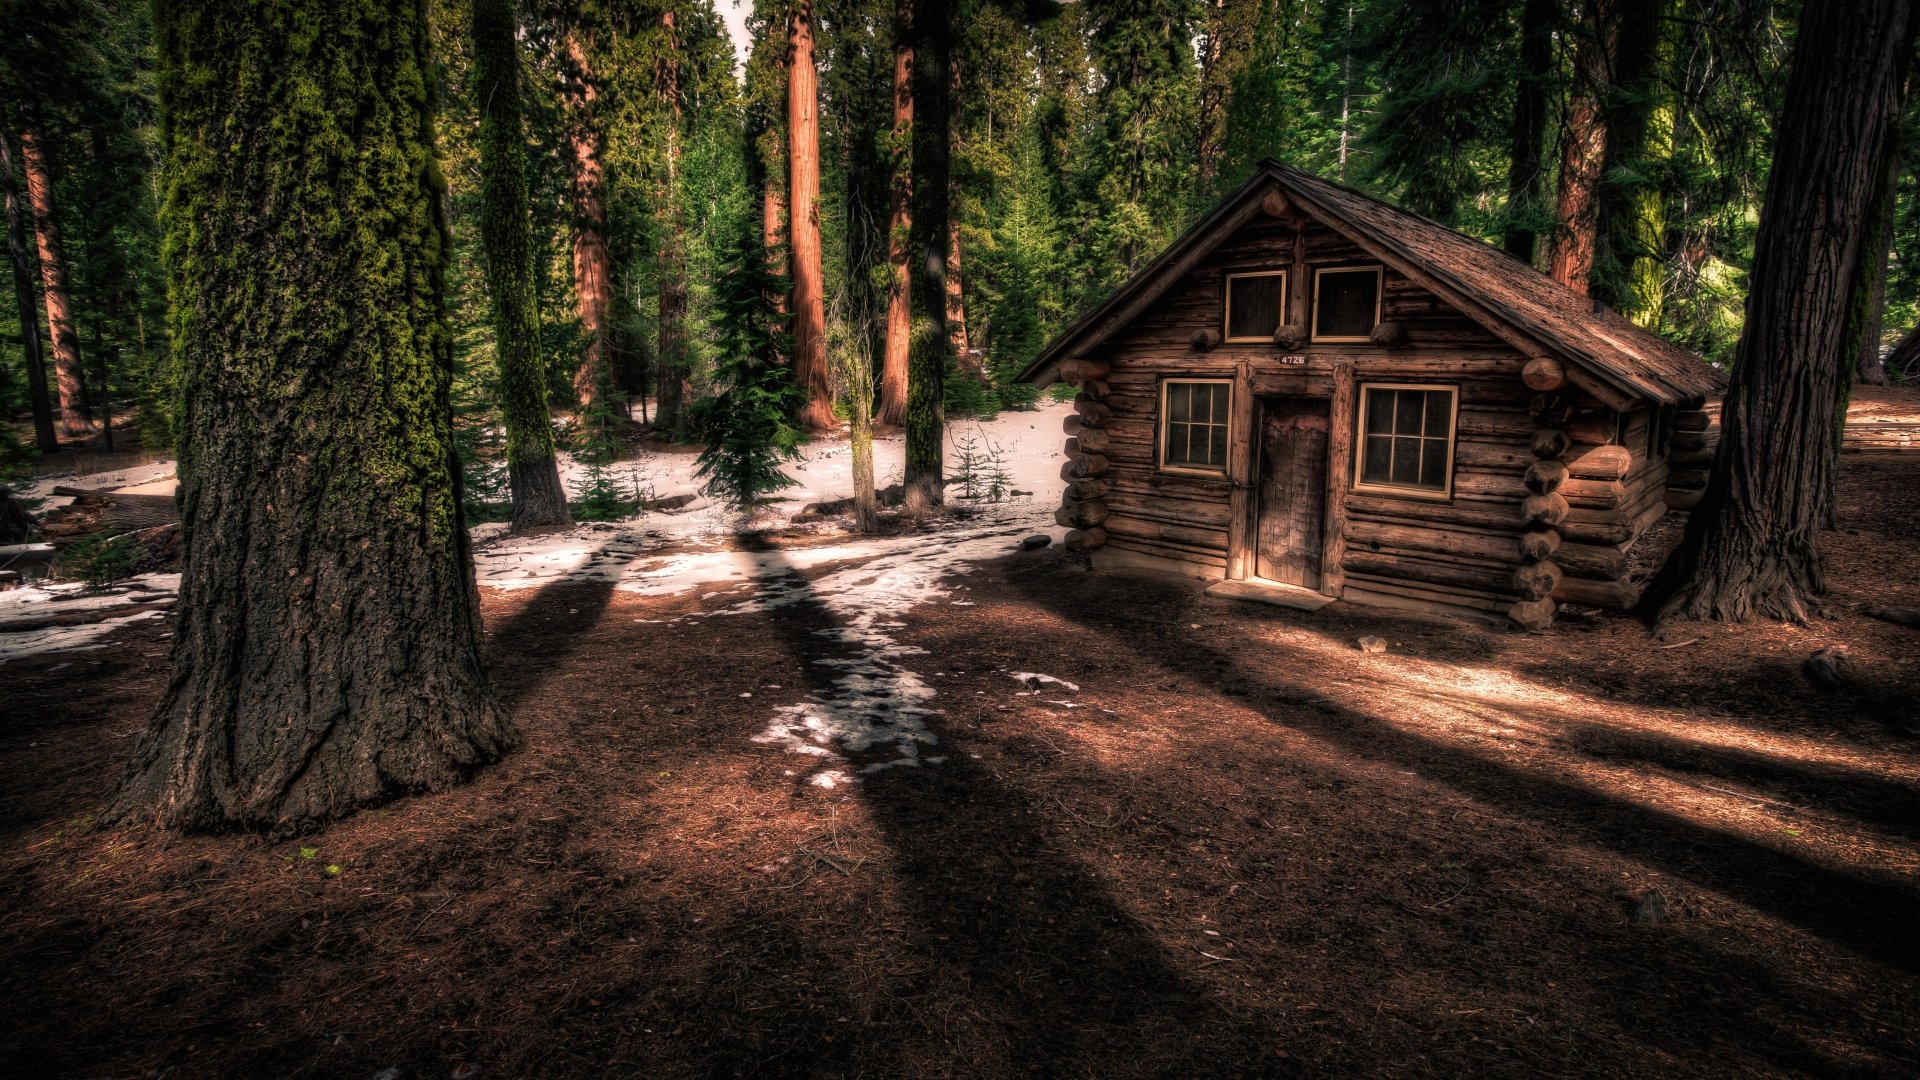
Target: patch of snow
55	639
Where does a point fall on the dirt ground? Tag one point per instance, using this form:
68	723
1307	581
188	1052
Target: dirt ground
1241	847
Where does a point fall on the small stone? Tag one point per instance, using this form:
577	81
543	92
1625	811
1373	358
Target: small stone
1828	669
1371	644
1652	909
1035	542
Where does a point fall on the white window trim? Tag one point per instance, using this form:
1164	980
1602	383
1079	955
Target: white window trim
1360	443
1379	297
1226	304
1162	423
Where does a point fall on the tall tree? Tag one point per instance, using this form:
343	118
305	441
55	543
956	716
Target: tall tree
595	381
328	649
766	120
506	231
1630	271
893	362
76	417
1527	131
803	209
1752	546
1144	152
1583	150
674	379
21	261
930	350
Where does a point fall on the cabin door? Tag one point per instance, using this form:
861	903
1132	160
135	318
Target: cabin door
1292	490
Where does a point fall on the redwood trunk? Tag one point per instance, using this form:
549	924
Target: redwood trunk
1752	546
957	308
803	195
327	652
43	433
928	355
76	419
674	385
594	381
893	361
1578	208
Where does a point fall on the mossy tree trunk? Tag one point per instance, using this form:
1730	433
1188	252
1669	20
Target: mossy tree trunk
327	654
1752	546
506	231
674	381
1526	171
928	352
1631	272
22	263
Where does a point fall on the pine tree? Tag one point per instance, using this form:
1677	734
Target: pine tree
327	655
1145	151
746	425
930	351
507	231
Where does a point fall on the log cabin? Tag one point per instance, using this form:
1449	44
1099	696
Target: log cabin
1314	396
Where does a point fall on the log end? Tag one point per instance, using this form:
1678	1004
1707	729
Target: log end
1290	336
1533	615
1389	335
1086	539
1544	373
1205	340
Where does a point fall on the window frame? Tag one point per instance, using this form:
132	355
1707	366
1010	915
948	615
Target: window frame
1360	483
1226	305
1163	423
1379	298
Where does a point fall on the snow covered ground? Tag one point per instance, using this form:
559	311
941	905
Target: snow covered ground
873	714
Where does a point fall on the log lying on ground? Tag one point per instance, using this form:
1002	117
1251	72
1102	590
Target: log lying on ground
1533	615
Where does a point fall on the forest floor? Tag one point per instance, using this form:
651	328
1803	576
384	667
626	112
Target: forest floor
796	803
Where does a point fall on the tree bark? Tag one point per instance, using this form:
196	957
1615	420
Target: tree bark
928	356
43	434
506	234
957	306
1526	171
595	380
1752	546
675	388
1583	156
893	359
803	208
327	654
1639	120
1871	368
76	418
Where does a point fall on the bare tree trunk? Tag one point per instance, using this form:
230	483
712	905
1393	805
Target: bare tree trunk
327	654
926	413
1578	206
43	433
893	359
673	382
1526	169
76	418
1872	369
803	208
1752	546
594	382
957	307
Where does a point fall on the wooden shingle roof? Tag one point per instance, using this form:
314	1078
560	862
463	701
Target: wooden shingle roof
1531	311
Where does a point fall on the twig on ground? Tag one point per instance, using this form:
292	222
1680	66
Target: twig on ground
1678	644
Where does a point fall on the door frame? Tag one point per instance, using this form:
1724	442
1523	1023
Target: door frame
1243	455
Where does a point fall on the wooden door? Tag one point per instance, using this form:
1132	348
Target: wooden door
1292	490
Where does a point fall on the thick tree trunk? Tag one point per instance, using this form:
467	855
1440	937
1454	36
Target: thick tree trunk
43	434
928	355
674	383
803	206
893	358
1871	368
1578	208
767	130
595	380
1632	269
1526	171
327	655
1752	546
76	418
506	233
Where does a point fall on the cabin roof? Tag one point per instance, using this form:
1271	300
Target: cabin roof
1531	311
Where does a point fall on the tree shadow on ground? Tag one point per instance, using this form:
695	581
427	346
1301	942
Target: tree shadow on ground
1056	977
1873	918
539	651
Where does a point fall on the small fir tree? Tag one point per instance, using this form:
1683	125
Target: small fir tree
747	425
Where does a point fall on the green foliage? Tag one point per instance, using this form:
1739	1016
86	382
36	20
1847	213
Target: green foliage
602	494
746	426
101	559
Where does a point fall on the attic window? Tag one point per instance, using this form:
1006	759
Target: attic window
1346	304
1255	304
